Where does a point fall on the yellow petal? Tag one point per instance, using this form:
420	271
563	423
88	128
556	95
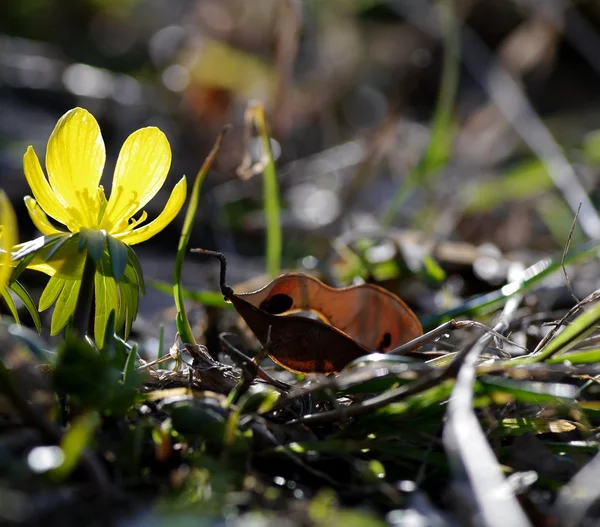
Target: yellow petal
39	218
75	159
41	189
172	208
8	221
141	170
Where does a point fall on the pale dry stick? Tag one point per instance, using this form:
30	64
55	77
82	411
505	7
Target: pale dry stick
506	94
160	360
471	456
564	255
576	497
444	328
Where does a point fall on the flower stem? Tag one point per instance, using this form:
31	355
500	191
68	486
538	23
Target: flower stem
83	308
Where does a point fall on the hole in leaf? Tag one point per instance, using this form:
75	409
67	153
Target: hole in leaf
277	304
385	341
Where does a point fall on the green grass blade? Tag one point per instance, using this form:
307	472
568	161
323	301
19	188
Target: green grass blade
590	356
532	276
183	324
442	129
270	193
206	298
577	330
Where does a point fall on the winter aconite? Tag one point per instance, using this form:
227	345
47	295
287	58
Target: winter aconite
72	194
92	246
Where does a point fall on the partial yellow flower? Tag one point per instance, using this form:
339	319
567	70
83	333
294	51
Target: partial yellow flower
72	194
8	238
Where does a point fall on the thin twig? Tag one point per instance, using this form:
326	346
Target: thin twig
444	328
564	255
226	291
243	361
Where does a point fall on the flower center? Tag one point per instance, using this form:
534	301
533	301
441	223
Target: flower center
119	215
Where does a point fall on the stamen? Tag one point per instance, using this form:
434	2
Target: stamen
89	207
133	223
76	219
102	201
123	210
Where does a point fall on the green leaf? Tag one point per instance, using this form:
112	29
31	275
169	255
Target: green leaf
77	437
60	252
107	299
131	377
93	379
118	257
133	261
432	270
95	241
129	294
52	250
25	297
10	303
109	347
65	306
53	288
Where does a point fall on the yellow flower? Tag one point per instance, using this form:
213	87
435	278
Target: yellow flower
72	194
8	282
93	258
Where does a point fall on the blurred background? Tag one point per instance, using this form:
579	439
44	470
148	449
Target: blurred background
443	139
